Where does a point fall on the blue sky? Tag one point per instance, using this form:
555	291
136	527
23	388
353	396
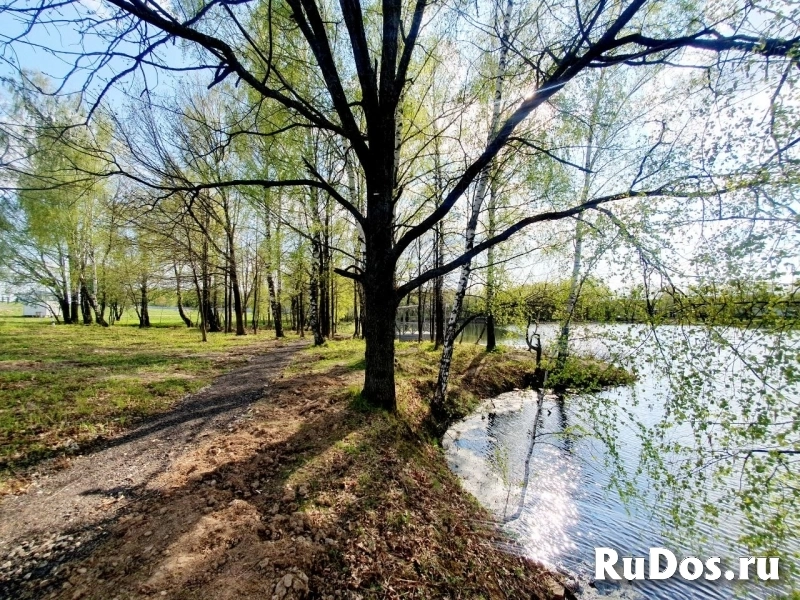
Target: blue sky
53	49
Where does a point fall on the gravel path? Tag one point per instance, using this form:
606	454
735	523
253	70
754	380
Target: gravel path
62	516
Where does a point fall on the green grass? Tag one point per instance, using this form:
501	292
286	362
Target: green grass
347	353
67	384
475	374
587	374
10	309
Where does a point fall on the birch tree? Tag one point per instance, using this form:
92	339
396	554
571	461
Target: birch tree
383	46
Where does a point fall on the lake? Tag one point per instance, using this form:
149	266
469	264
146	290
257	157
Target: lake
568	475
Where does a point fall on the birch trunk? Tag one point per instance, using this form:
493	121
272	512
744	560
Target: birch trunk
438	407
92	296
575	277
491	340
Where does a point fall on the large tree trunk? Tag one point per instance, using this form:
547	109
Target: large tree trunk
380	263
378	326
378	282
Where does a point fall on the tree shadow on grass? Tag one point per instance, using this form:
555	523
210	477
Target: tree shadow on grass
159	515
308	492
226	397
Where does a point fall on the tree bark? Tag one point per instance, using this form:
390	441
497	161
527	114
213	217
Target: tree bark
274	302
226	296
380	311
65	307
75	306
277	313
378	323
144	313
491	230
92	298
86	309
324	273
256	285
210	323
186	320
438	408
438	293
314	317
201	303
238	309
301	316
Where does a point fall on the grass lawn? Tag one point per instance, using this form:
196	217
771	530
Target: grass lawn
65	385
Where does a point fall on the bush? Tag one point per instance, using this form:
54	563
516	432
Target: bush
587	374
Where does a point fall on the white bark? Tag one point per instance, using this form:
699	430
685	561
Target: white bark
472	224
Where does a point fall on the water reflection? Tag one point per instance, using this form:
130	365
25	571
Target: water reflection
536	463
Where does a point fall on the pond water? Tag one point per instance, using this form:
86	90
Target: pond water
561	490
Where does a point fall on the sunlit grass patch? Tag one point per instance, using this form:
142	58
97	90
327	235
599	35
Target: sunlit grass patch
475	374
64	385
587	373
347	353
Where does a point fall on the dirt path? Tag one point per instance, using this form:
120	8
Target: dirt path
272	483
67	513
